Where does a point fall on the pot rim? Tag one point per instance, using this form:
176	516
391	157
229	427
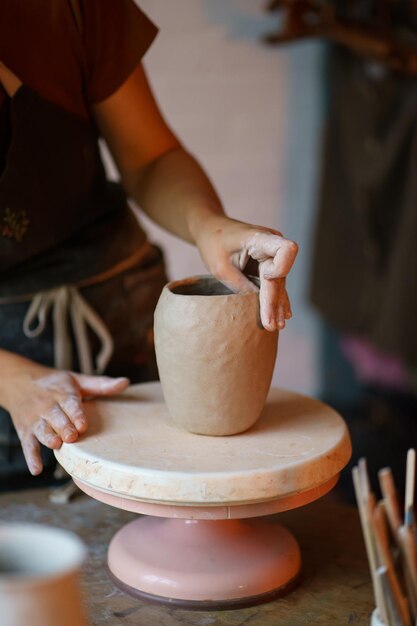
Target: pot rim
69	541
198	278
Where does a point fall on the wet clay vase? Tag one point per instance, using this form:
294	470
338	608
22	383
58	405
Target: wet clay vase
214	358
39	568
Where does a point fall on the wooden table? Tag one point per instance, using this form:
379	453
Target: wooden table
335	590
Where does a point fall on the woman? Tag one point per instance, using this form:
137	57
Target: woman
70	247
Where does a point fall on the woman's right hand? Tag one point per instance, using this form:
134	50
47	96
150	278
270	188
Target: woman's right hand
46	404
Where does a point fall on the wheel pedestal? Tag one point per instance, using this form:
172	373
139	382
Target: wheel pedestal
201	543
204	564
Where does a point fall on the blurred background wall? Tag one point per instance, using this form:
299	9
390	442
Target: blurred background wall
251	114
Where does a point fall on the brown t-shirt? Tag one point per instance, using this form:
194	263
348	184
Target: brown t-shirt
73	53
66	222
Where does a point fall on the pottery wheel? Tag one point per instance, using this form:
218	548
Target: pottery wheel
202	553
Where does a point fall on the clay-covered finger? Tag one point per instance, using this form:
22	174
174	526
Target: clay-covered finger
243	258
277	250
46	435
268	302
233	278
283	308
61	424
281	304
263	244
283	259
100	385
32	454
284	300
281	316
73	407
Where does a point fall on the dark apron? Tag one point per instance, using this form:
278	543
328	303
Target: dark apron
63	223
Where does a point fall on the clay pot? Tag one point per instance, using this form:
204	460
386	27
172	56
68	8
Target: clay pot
214	358
39	576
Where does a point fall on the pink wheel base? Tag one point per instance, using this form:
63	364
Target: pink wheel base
204	564
201	544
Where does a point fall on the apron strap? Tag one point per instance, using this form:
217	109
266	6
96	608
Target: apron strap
69	307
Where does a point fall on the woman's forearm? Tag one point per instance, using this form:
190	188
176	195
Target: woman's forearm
175	192
172	188
11	366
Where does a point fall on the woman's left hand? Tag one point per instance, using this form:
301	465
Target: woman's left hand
226	246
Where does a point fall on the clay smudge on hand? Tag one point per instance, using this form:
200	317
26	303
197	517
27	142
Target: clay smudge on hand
275	255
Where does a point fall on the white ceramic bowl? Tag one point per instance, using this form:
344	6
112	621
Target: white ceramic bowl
39	568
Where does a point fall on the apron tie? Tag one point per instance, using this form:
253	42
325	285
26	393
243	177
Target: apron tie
68	305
